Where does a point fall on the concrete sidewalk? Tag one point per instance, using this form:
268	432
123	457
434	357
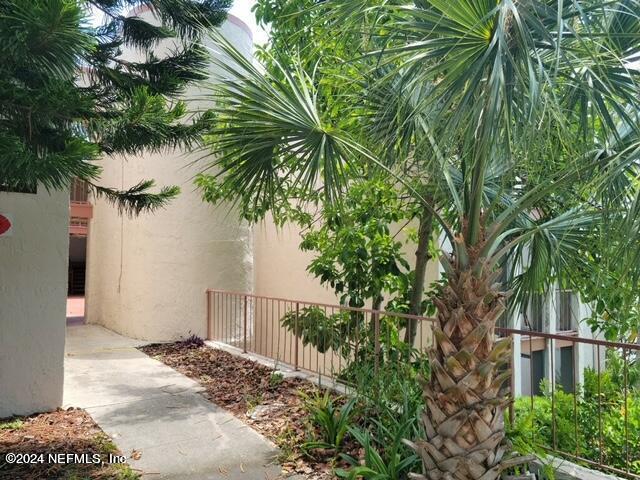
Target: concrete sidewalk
148	407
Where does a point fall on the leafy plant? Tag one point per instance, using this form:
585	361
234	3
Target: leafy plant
193	341
331	419
315	327
358	255
11	423
275	379
104	444
253	400
391	405
392	464
591	423
288	444
356	251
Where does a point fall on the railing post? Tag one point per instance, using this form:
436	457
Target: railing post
295	329
357	340
376	340
244	348
512	393
209	327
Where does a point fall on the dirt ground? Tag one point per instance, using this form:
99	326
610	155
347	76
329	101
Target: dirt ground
61	445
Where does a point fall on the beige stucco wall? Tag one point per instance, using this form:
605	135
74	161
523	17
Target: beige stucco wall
280	266
33	284
146	276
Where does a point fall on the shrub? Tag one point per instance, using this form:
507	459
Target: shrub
275	379
590	424
331	420
390	401
193	341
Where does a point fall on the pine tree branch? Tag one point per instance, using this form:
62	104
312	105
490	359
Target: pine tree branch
149	123
137	199
53	125
166	76
22	166
140	34
190	18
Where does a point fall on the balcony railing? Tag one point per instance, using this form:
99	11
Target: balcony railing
327	340
80	210
79	191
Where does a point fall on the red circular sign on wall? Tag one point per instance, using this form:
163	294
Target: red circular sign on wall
5	224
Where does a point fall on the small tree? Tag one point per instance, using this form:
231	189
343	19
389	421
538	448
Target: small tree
358	253
68	96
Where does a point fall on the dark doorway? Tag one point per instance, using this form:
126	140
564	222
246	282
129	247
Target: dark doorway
534	372
564	371
77	264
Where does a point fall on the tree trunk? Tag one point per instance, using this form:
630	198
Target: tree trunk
425	232
468	390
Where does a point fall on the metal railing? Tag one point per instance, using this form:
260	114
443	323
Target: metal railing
565	394
590	402
254	323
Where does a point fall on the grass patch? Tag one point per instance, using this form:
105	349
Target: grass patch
15	423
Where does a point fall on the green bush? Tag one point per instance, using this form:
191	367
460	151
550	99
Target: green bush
590	424
391	404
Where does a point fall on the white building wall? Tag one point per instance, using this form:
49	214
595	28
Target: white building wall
33	284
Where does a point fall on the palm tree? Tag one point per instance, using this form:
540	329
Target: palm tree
516	109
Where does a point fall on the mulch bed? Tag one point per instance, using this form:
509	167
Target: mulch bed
248	390
70	431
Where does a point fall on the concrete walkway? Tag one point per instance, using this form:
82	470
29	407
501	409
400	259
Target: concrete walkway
148	407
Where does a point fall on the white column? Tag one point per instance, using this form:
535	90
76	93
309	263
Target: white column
33	292
517	323
550	353
516	360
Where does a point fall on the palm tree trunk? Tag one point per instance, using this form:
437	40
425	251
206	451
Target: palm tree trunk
468	390
417	288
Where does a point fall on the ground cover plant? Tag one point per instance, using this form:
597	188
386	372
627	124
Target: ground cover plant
62	431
